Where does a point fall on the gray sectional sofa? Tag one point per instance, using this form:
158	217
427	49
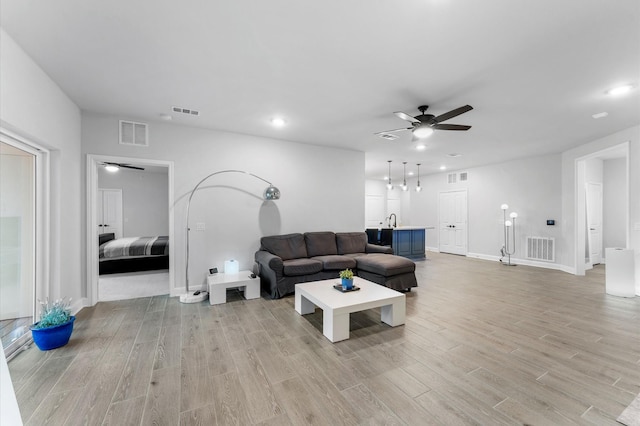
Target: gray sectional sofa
285	260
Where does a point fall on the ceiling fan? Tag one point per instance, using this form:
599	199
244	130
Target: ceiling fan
115	166
423	125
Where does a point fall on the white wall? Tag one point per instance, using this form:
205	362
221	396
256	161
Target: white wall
322	188
614	203
144	200
34	107
531	187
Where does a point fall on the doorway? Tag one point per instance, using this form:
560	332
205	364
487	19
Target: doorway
452	222
23	250
593	227
129	284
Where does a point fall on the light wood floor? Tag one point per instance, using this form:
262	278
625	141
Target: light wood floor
483	344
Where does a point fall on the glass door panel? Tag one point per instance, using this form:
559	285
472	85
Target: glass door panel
17	245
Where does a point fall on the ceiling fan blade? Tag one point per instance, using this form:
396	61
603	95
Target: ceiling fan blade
394	130
453	113
127	166
407	117
451	127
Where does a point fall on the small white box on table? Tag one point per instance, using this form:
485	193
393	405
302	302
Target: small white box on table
219	283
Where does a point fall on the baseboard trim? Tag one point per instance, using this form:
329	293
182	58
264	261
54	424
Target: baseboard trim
76	306
526	262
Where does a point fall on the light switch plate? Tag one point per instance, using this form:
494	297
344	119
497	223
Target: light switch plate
200	226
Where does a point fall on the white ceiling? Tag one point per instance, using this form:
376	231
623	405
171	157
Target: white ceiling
534	71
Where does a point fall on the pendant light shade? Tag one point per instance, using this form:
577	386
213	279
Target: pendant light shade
418	187
404	176
389	185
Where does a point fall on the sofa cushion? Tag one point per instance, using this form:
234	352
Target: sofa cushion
296	267
290	246
351	242
386	265
336	262
320	243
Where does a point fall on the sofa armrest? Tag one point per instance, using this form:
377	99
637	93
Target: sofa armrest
372	248
267	261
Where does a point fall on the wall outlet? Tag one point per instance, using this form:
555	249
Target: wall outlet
200	226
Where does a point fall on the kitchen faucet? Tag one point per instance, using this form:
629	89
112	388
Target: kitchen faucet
395	224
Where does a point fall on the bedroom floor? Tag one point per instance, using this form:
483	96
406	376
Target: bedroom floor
133	285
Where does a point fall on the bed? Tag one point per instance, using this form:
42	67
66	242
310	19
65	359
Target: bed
132	254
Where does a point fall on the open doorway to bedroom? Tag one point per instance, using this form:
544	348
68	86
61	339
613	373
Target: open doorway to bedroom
130	225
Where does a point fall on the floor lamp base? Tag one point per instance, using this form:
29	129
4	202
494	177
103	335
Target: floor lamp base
192	297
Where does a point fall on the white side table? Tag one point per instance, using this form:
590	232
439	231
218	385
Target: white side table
219	283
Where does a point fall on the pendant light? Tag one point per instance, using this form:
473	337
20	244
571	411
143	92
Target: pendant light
418	187
389	186
404	173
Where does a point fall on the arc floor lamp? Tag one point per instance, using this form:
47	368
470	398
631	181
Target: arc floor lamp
270	193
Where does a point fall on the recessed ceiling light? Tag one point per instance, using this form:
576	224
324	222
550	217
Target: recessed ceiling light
620	90
410	173
443	167
111	168
600	115
421	147
278	122
454	155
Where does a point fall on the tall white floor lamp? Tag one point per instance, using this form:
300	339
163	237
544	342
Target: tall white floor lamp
509	228
270	193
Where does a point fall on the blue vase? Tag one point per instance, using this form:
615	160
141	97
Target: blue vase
347	283
53	337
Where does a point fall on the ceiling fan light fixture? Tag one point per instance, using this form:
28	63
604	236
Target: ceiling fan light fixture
422	131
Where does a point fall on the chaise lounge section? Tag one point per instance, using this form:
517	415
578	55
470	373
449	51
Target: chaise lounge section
286	260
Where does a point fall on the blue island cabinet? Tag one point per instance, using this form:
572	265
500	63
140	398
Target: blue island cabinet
409	242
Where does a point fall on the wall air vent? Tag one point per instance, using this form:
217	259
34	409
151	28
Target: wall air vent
133	133
186	111
463	177
541	248
452	178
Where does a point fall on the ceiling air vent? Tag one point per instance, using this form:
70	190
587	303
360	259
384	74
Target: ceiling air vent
388	136
133	133
187	111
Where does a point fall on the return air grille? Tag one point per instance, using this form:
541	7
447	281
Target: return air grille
541	248
132	133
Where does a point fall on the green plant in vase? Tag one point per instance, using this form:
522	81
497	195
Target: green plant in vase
347	279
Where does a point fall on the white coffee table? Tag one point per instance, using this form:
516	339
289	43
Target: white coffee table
219	283
337	306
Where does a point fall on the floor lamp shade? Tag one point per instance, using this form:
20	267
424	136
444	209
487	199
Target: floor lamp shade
270	193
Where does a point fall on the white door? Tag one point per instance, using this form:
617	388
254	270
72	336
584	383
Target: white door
374	211
453	222
594	221
110	211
